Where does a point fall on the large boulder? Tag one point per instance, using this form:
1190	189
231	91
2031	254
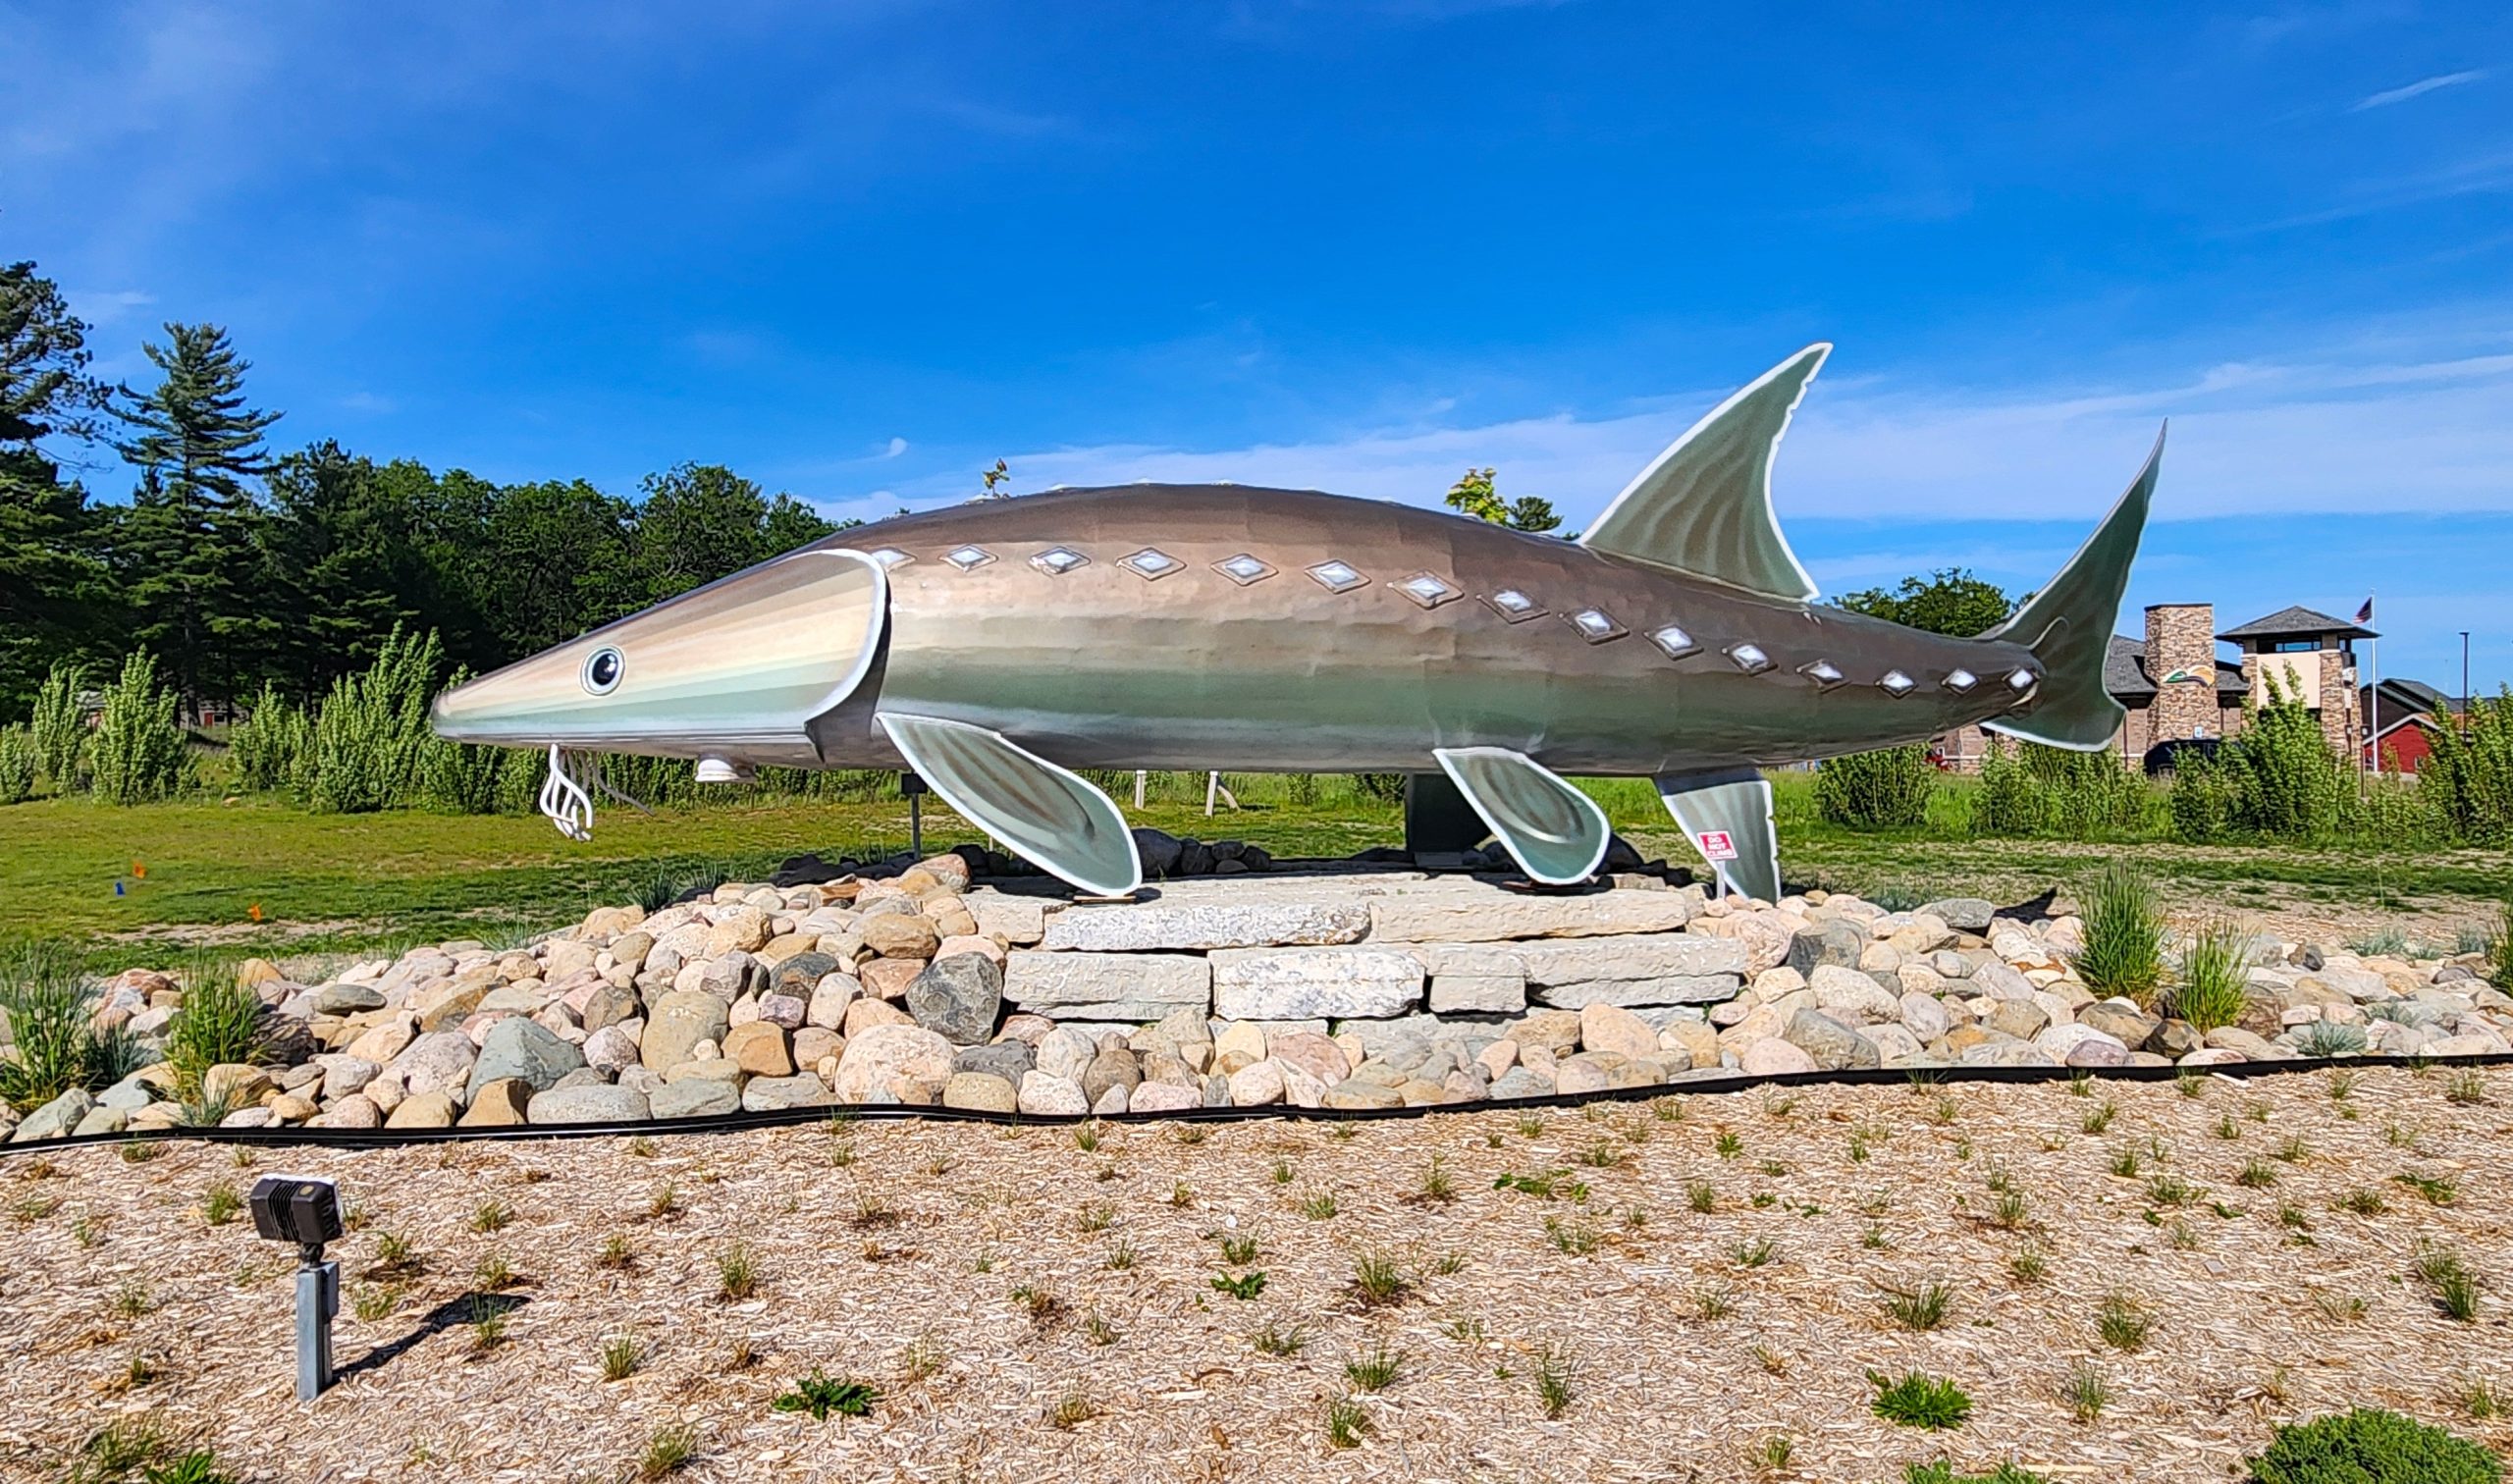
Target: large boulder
1611	1027
592	1102
803	1089
1829	941
496	1103
879	1058
1005	1059
524	1051
435	1062
1832	1046
695	1097
899	934
1852	997
676	1023
1308	983
1970	914
760	1047
958	999
1044	1095
57	1118
980	1091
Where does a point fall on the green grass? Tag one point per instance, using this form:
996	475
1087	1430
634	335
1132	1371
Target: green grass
1917	1400
2372	1447
825	1396
342	882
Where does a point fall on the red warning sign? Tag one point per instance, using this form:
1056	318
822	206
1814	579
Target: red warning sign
1716	846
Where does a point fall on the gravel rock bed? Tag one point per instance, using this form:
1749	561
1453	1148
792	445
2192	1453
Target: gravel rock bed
1035	1309
1365	987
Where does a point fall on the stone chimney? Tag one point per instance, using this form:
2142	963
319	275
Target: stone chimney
2183	636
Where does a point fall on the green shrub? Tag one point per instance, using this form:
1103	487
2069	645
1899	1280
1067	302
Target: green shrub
2215	968
1943	1472
2123	952
2199	801
1918	1400
2008	801
2282	780
1885	789
455	777
2369	1446
2028	789
60	730
221	1021
368	736
269	746
20	760
138	753
2468	778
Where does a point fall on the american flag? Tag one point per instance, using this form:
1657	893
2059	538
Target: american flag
2365	614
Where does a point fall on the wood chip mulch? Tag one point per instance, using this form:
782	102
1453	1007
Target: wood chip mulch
1032	1310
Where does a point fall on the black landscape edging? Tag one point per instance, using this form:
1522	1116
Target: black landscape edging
781	1118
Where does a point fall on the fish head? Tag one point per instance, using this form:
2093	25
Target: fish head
736	668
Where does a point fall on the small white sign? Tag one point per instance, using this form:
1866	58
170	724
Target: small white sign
1716	846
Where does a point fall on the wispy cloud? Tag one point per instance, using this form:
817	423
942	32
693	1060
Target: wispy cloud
103	306
2257	437
894	447
2417	89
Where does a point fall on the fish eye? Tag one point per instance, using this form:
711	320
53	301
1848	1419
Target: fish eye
602	670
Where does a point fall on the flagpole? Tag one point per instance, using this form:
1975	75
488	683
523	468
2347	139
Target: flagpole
2368	761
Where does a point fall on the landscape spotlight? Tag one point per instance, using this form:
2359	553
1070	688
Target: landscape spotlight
305	1209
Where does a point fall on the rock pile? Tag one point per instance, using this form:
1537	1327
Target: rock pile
1364	988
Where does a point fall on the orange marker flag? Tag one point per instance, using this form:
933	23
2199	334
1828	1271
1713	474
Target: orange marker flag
255	911
138	872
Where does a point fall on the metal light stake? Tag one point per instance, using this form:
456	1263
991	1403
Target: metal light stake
305	1209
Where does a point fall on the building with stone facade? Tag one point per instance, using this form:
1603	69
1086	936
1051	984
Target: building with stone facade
2177	687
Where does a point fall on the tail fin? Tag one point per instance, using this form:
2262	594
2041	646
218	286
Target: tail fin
2068	627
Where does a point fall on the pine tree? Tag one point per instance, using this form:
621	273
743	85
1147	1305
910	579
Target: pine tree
52	584
189	537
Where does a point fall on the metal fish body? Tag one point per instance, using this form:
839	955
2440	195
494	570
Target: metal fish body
994	647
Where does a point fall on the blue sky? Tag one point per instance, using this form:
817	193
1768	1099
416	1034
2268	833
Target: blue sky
858	251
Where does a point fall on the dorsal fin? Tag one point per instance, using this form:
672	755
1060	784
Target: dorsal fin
1704	505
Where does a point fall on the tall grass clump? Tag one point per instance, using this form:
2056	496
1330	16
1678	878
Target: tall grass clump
221	1022
2123	952
137	754
54	1042
19	761
2027	791
2467	776
368	738
2210	990
1885	789
2500	949
269	746
60	729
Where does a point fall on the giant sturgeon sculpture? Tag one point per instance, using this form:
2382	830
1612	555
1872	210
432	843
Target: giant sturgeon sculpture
994	647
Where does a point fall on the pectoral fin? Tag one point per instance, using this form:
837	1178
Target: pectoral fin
1555	832
1729	810
1047	815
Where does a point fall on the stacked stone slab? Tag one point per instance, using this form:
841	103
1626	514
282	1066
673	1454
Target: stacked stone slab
1354	987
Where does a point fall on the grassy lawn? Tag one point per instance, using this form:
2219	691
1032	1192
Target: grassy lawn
330	881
